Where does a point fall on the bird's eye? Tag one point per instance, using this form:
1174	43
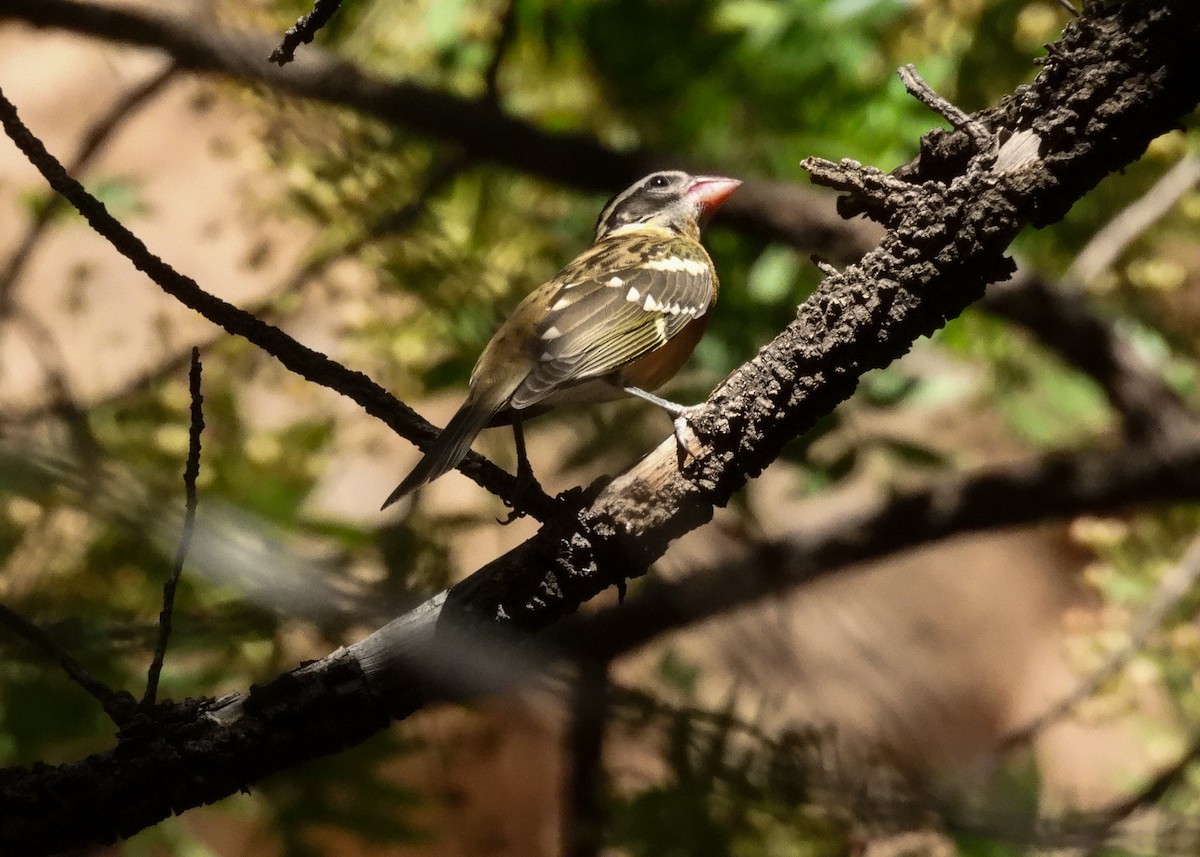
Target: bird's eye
659	182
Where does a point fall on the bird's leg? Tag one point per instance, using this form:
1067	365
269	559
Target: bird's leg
680	414
525	478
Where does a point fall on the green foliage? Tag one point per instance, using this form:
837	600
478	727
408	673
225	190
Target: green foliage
349	790
751	86
729	791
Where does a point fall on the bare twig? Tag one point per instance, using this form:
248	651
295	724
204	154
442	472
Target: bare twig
190	473
1154	790
302	360
439	175
920	89
504	40
304	30
93	142
824	267
116	705
1174	585
1070	7
1107	245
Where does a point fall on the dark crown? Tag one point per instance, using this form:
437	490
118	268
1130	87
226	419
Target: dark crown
658	198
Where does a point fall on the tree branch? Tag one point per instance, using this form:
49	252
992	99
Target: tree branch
773	210
1131	223
304	31
116	705
1118	78
94	140
304	361
191	472
1054	487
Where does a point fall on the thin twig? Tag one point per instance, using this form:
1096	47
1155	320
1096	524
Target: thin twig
304	30
923	92
824	267
190	472
1153	791
1174	585
94	140
439	175
115	704
504	40
1107	245
1070	7
302	360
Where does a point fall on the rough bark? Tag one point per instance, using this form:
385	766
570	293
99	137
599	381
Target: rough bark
1118	78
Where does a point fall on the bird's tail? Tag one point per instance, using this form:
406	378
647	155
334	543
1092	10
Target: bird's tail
451	446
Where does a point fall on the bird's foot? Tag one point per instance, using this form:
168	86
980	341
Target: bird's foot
526	485
679	413
681	431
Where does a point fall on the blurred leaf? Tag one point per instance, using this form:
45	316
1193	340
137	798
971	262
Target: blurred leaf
772	278
677	673
915	454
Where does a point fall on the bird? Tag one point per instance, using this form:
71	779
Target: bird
620	319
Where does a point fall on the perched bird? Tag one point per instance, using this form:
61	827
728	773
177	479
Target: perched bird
620	318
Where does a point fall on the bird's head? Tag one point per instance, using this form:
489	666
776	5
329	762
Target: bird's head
670	200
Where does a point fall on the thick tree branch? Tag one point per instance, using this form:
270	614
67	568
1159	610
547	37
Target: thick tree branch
1056	486
1117	79
773	210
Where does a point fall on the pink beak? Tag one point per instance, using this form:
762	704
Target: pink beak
708	192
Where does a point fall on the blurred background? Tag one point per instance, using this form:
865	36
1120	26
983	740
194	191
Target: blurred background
398	255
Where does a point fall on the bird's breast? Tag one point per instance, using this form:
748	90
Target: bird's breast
660	365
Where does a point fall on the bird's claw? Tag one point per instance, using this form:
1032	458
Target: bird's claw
526	484
681	429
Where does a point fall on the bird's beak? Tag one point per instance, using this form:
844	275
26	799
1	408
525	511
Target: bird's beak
708	192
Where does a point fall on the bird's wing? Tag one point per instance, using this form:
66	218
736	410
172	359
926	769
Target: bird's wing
597	323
